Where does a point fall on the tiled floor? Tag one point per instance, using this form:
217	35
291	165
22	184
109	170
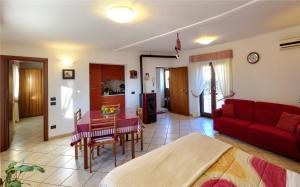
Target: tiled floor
57	157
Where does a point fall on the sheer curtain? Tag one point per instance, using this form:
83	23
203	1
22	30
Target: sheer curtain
15	68
223	72
198	72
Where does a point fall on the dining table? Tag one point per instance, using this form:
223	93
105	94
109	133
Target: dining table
127	122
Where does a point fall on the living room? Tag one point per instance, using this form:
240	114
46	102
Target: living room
261	71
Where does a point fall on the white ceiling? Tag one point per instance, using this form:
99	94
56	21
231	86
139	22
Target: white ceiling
82	23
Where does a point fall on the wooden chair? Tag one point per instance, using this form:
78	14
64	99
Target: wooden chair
77	117
139	112
107	123
117	106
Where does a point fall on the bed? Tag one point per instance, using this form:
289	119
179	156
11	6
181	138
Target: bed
197	160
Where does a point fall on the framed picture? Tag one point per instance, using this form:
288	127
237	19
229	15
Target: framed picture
68	73
133	74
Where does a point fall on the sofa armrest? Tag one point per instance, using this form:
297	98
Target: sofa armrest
298	133
217	113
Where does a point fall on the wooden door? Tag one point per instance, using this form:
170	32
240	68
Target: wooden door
179	98
31	93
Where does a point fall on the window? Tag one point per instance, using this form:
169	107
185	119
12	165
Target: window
167	74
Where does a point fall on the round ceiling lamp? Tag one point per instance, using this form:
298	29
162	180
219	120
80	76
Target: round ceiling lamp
121	14
204	40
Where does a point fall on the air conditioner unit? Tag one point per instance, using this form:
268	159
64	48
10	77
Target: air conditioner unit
290	43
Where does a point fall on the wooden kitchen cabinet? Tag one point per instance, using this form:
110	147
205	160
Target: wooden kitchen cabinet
112	72
98	74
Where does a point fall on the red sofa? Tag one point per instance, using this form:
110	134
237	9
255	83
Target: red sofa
255	123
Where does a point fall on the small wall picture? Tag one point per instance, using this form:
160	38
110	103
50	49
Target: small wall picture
147	76
133	74
68	73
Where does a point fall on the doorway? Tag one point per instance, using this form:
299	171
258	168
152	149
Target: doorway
24	113
162	89
211	98
27	98
178	87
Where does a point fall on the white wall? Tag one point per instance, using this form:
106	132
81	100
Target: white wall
149	66
72	94
275	78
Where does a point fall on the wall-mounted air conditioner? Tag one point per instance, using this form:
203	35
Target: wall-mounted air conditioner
290	43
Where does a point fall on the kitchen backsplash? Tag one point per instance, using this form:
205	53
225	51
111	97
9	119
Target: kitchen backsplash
116	86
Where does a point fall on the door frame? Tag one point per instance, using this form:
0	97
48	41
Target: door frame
4	93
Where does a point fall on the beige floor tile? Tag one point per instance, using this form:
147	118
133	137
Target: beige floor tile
159	141
47	185
47	158
59	176
74	164
30	184
78	178
95	179
40	177
60	161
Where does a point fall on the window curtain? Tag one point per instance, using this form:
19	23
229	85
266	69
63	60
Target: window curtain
223	72
16	75
198	72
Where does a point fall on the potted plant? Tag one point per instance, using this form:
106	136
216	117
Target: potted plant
14	172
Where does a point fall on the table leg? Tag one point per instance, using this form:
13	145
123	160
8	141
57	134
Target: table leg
85	153
132	145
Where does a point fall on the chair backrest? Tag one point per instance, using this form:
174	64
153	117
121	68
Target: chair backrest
139	113
77	117
117	106
104	123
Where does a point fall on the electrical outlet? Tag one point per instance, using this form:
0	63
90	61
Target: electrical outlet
53	127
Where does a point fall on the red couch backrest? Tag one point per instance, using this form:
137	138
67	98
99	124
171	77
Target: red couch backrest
260	112
243	109
269	113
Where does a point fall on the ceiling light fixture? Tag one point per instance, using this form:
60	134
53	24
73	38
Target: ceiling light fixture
121	14
204	40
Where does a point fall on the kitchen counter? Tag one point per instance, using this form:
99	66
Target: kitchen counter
113	95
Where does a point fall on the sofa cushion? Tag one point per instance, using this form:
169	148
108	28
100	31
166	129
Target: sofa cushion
273	139
267	113
233	127
288	122
228	110
243	109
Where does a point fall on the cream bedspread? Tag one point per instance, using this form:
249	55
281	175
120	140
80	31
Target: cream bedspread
179	163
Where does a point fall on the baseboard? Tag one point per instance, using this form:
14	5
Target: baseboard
60	136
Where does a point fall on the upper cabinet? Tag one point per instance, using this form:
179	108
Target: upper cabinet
95	75
112	72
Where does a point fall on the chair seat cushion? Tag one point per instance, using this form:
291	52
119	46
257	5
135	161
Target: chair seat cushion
101	139
233	127
274	139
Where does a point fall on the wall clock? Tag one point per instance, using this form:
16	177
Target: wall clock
253	57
